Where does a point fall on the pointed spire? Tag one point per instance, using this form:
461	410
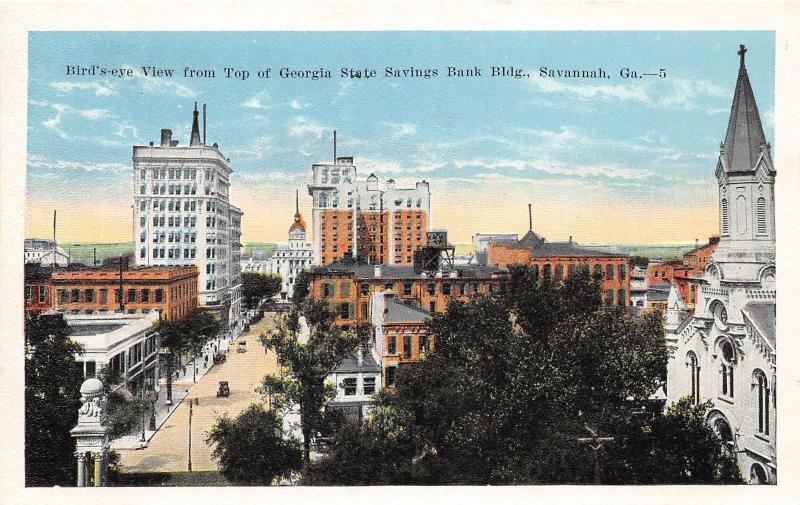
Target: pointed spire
297	202
745	136
195	140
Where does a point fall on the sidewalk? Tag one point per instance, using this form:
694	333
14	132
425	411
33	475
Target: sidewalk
180	389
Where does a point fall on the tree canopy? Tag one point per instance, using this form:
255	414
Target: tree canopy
515	380
309	364
250	448
256	286
302	286
52	397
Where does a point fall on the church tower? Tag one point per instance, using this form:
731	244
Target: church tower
746	180
726	351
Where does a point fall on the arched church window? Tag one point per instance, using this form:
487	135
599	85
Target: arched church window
758	475
760	382
546	271
727	367
694	369
724	216
761	215
559	272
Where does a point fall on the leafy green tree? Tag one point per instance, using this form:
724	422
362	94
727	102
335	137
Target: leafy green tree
124	414
250	448
52	398
256	286
309	364
515	380
640	261
675	448
302	287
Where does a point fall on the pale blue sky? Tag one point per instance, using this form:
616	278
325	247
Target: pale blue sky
486	144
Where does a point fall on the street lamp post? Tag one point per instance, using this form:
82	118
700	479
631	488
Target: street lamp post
190	436
144	412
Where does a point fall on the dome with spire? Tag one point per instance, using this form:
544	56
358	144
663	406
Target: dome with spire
299	224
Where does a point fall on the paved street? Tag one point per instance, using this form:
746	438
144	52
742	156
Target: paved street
167	451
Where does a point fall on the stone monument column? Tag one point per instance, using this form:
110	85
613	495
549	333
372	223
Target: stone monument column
91	433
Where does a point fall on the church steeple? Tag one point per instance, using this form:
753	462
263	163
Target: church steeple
195	140
744	139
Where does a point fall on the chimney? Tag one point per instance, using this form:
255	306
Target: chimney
377	271
570	239
166	137
530	218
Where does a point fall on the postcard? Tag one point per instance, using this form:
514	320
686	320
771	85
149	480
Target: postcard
536	258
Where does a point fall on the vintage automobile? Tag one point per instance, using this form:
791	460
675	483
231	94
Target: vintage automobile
242	347
224	389
219	358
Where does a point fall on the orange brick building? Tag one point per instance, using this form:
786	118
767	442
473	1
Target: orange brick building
171	290
37	287
401	332
348	286
684	274
377	223
559	260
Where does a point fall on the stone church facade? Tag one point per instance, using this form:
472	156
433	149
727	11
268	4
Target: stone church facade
725	351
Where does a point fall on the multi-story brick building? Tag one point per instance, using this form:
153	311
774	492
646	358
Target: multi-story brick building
376	222
170	290
37	287
559	260
183	216
348	286
401	334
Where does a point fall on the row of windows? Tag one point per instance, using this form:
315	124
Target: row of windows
43	294
726	383
350	386
171	253
557	273
761	215
446	288
162	237
173	173
423	343
171	189
173	221
87	295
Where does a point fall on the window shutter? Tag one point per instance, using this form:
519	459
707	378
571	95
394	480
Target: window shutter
761	215
724	216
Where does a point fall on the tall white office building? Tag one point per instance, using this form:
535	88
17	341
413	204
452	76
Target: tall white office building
183	216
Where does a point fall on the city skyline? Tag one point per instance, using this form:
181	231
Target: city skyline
548	141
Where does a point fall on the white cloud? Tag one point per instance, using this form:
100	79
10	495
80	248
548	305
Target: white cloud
40	162
259	148
94	114
297	104
256	102
305	127
635	93
345	89
398	130
104	88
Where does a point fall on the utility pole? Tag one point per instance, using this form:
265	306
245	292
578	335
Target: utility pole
121	293
190	436
595	443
